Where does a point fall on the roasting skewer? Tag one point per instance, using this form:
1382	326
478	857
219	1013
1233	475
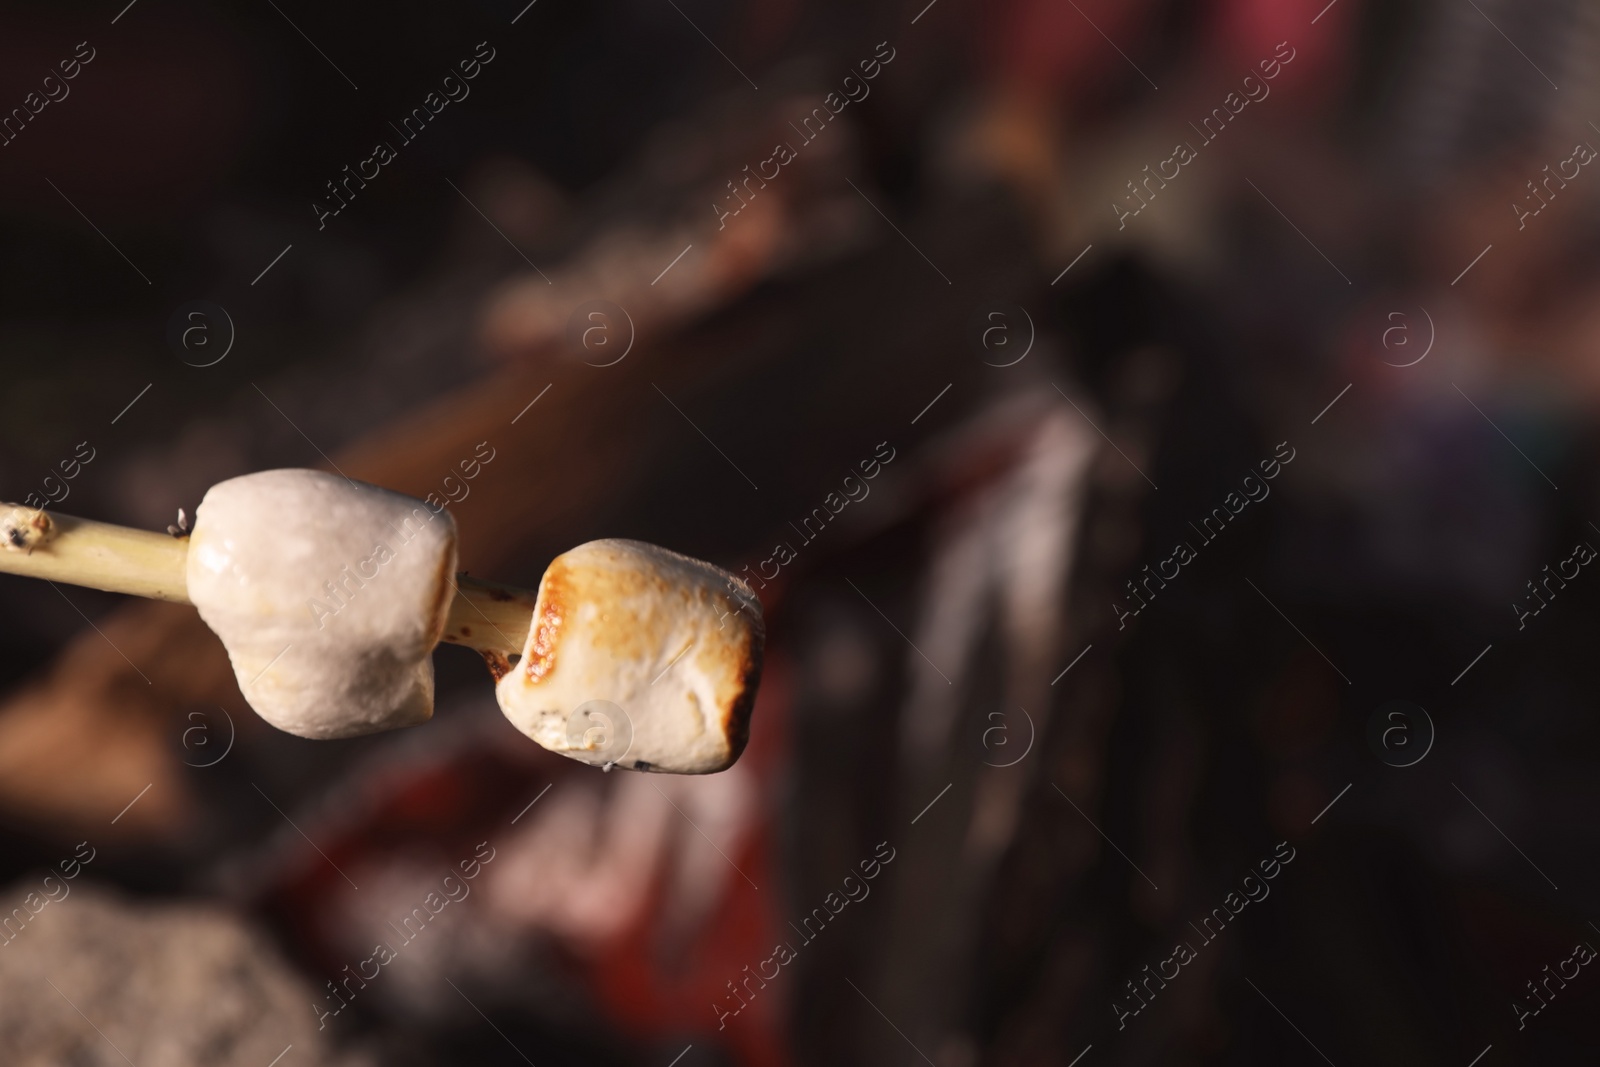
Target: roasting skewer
330	596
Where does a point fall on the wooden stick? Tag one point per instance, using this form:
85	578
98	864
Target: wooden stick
487	616
490	617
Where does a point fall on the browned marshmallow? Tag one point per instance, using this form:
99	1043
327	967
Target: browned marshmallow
638	657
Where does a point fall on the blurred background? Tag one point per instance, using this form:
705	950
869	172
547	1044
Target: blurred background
1161	429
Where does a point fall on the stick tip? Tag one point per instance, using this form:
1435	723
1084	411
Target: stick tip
24	529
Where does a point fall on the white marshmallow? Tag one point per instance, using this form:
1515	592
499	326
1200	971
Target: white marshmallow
640	657
329	596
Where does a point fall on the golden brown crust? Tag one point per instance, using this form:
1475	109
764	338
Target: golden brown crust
555	593
736	726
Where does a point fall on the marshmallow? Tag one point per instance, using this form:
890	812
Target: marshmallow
638	657
329	596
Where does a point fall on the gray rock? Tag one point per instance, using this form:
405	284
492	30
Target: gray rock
98	980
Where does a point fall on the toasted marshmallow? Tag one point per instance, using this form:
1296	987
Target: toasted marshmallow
638	657
329	596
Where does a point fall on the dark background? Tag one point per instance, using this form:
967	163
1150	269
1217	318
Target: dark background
1246	706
